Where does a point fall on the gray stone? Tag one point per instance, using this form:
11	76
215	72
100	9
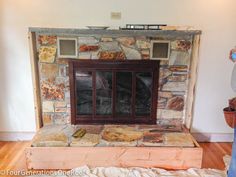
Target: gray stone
109	46
164	62
62	70
87	40
161	104
181	32
84	55
179	93
179	58
175	86
94	55
61	118
67	96
131	53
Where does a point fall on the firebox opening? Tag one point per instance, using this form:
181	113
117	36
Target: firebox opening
104	92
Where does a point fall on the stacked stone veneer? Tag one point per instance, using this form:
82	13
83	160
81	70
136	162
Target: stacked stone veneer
54	79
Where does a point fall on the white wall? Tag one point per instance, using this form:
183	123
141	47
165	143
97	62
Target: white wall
216	18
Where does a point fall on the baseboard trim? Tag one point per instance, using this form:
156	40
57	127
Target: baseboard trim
213	137
16	136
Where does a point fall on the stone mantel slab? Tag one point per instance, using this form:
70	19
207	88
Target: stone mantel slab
113	32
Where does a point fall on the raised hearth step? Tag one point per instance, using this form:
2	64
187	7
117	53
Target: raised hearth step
113	135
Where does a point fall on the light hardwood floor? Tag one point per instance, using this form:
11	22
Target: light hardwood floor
12	155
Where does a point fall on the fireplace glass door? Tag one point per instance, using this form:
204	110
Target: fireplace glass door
105	92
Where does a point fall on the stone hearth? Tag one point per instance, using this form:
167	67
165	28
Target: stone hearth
113	135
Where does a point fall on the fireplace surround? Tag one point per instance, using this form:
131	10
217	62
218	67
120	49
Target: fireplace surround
175	90
121	91
177	76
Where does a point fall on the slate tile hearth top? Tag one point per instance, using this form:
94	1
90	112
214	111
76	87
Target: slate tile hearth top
113	135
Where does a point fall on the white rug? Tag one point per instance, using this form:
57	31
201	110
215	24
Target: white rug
85	171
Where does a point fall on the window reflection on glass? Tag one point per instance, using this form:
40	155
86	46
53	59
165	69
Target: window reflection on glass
84	92
123	93
103	93
143	99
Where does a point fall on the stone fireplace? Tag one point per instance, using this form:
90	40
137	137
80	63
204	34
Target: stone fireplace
172	92
100	78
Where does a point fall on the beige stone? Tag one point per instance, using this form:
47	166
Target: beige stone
50	136
170	114
121	134
48	106
143	44
49	71
165	94
47	54
60	104
178	139
92	129
126	41
47	119
145	54
106	39
175	86
60	109
62	61
177	78
87	140
118	143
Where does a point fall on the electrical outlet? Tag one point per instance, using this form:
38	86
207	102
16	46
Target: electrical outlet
115	15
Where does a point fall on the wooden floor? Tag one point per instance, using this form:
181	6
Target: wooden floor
12	155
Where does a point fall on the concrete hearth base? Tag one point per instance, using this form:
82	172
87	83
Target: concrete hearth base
168	147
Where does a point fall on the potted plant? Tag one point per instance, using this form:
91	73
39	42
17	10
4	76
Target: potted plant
230	113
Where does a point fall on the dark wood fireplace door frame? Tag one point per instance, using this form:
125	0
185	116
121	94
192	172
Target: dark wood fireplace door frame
114	66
